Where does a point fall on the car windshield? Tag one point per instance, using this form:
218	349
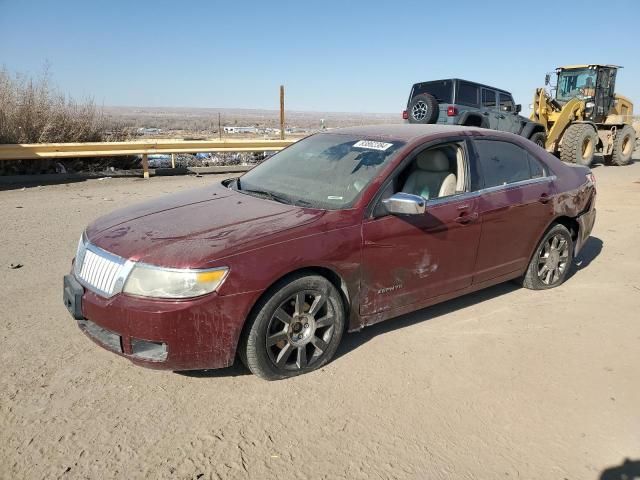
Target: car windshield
326	170
578	83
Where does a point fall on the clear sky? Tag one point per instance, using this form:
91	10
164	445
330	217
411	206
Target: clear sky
345	55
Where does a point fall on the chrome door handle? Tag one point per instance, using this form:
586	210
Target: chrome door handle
465	218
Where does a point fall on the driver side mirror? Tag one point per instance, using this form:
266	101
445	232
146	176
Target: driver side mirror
518	108
547	79
405	204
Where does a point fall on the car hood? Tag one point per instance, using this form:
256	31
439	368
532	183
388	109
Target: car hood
195	228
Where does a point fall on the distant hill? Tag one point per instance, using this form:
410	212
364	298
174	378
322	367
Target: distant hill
205	120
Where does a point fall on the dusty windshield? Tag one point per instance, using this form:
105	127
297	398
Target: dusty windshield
322	171
576	83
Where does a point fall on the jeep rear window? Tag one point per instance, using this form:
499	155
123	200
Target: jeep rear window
467	94
442	90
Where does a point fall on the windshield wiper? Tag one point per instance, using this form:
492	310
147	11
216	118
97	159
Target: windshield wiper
269	195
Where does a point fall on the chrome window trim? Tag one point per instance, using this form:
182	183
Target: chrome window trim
468	195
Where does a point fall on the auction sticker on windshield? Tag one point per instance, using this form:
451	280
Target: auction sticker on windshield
372	145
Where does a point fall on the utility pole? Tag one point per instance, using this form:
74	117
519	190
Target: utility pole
281	112
219	127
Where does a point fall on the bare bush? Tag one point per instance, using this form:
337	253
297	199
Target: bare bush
32	110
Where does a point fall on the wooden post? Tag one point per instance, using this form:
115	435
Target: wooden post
281	112
173	160
145	165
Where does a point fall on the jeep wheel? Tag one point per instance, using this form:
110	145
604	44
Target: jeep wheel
579	144
623	146
539	138
423	109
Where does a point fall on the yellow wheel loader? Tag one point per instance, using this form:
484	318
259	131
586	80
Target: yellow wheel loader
585	115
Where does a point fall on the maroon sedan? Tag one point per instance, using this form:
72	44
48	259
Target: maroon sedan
341	230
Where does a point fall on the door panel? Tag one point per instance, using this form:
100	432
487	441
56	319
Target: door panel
490	107
412	258
507	121
513	220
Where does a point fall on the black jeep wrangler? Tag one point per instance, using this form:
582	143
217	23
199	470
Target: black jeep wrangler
460	102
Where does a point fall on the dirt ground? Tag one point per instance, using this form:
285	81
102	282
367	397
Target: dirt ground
502	384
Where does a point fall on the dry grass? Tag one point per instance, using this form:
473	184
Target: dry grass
32	110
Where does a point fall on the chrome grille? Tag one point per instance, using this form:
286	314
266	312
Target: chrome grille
98	270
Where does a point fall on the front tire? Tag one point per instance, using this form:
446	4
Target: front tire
579	144
539	138
295	329
551	261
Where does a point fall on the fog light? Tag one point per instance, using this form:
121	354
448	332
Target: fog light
155	351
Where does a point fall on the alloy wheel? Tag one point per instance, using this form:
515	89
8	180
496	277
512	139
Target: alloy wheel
553	259
419	111
300	330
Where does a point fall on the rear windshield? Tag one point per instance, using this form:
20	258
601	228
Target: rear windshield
442	90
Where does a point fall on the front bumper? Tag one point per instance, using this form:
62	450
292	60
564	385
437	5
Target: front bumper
200	333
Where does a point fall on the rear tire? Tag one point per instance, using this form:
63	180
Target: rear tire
551	261
623	146
539	138
295	329
423	108
579	144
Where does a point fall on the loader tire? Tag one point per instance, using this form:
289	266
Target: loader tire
579	144
623	146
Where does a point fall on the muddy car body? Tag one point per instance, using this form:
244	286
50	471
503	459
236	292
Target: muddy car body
365	257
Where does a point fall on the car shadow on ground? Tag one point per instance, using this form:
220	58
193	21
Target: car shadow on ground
590	251
236	370
352	341
629	470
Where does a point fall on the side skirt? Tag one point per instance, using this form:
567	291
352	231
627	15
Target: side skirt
372	319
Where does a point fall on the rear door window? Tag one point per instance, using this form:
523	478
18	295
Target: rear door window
468	94
488	99
536	168
502	163
506	103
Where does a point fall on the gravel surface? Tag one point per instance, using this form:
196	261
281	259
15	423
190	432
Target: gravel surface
502	384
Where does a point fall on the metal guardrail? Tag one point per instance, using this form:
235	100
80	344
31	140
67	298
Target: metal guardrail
113	149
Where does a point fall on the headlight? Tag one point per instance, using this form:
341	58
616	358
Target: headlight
151	281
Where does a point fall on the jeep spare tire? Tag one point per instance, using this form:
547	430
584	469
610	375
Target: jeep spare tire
423	109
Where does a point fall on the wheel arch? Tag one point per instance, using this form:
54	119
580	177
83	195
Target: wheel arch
531	128
473	119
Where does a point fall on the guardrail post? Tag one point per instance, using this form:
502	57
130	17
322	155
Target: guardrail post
173	160
145	165
281	112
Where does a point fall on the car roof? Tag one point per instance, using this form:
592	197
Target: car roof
467	81
404	131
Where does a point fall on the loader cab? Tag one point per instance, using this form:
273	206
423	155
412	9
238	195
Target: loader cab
593	84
